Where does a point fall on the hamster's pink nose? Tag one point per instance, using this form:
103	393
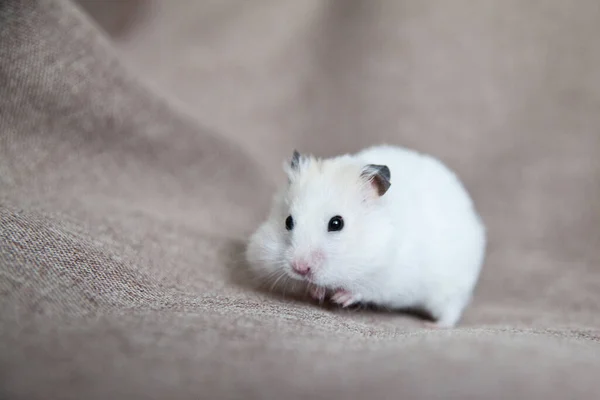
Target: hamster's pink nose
301	267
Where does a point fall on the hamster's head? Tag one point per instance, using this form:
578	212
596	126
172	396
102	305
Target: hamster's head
329	226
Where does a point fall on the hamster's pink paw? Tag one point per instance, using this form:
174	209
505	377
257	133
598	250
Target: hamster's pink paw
345	298
318	293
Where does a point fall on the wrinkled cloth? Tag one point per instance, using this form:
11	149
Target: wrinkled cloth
140	144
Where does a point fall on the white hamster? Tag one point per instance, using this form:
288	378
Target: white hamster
386	226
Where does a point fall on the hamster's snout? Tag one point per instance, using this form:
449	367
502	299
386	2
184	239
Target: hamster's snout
301	267
306	266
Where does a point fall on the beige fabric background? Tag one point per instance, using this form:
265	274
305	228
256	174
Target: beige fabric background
140	142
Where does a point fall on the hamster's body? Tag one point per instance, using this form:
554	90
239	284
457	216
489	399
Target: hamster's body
410	236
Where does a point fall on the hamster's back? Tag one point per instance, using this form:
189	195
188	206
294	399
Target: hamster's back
418	176
431	208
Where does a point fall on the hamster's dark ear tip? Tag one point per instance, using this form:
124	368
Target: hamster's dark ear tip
379	176
385	172
295	159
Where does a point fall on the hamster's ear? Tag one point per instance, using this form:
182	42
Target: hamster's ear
295	163
291	167
379	176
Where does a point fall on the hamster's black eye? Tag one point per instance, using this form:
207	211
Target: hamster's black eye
335	224
289	223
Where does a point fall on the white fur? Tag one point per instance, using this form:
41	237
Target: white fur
419	245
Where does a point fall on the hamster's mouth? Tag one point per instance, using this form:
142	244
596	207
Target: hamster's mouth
308	277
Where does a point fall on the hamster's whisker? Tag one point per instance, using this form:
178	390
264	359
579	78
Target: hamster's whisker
265	279
306	288
273	274
285	285
276	280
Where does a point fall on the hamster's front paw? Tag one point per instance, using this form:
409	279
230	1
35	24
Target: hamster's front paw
345	298
318	293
